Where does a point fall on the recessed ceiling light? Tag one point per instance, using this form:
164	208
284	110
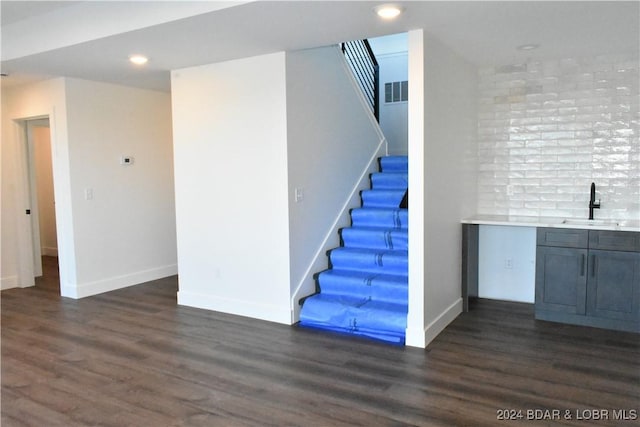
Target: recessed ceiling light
138	59
528	46
388	11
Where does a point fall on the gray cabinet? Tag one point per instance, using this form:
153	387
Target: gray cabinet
562	286
588	277
613	285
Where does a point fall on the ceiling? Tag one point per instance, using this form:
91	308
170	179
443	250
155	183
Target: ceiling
92	39
14	11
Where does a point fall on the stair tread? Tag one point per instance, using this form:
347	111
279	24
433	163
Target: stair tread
361	302
395	253
365	275
379	209
360	278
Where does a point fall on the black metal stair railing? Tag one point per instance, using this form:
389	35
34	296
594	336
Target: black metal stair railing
366	70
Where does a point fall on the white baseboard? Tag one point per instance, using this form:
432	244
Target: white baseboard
238	307
421	339
83	290
8	282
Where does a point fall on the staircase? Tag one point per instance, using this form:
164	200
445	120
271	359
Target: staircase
365	290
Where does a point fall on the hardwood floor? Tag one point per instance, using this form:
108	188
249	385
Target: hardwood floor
134	358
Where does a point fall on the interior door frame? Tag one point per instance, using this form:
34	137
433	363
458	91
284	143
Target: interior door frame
36	238
29	251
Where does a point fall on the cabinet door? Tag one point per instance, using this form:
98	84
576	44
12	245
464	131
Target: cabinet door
613	286
561	279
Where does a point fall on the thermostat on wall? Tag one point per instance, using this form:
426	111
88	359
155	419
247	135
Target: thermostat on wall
126	160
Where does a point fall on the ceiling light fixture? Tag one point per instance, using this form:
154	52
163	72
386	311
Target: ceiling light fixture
138	59
388	11
530	46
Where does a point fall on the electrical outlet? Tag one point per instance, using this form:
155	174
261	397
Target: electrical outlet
508	263
88	193
298	195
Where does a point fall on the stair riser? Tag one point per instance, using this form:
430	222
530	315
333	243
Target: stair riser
382	198
384	218
387	239
394	164
389	181
375	287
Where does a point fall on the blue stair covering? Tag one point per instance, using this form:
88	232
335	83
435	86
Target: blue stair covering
365	290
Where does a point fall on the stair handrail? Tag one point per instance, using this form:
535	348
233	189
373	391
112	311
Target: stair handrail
365	68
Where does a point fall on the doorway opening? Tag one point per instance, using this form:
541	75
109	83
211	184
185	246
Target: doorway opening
42	203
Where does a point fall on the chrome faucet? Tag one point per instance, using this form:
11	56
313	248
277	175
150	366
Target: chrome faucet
592	201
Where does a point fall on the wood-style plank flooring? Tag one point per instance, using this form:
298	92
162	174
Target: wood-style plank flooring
134	358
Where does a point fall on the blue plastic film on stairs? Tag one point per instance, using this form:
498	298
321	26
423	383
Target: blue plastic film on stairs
365	290
375	238
394	163
379	287
387	198
380	217
389	180
364	317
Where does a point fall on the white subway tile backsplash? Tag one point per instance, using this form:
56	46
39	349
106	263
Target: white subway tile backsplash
547	129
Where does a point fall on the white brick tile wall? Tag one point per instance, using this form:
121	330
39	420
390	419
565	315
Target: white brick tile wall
546	130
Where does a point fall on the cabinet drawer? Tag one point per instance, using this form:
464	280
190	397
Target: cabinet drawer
614	240
563	237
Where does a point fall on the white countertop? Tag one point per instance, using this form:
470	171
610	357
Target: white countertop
535	221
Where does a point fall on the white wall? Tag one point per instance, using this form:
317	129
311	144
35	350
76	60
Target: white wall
247	134
448	164
394	115
44	187
392	56
125	233
46	98
333	144
506	263
547	129
415	333
8	234
230	148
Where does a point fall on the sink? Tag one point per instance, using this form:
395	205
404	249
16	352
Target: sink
591	222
